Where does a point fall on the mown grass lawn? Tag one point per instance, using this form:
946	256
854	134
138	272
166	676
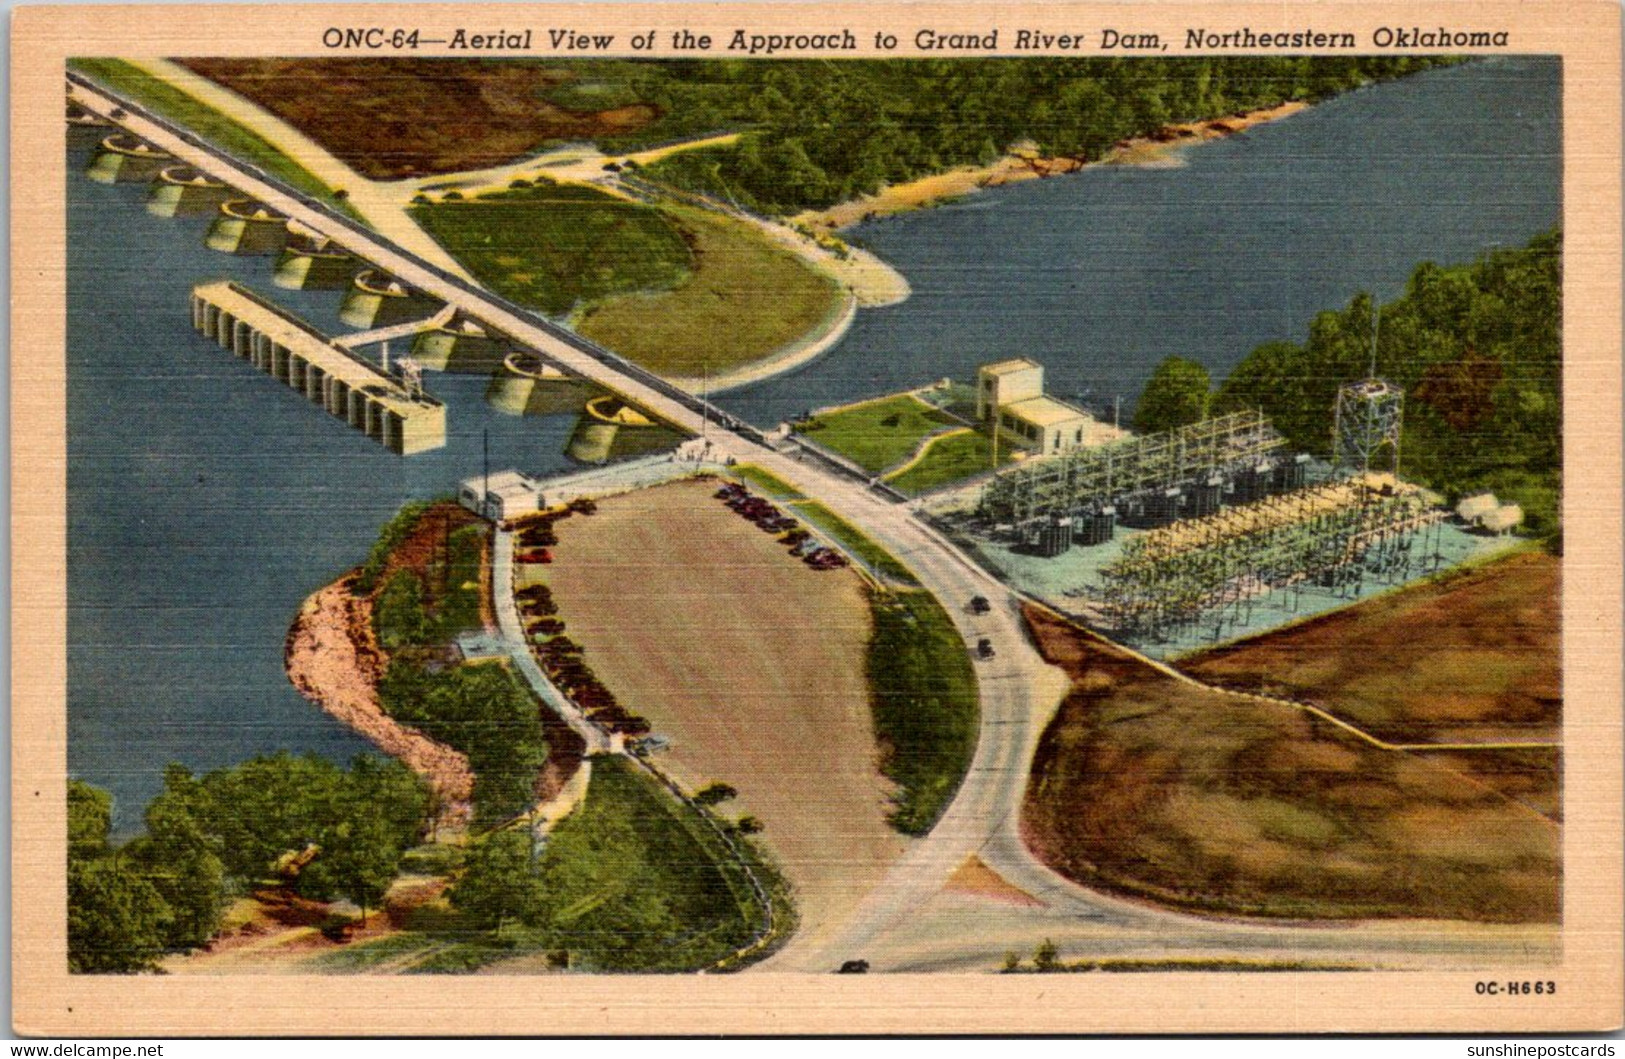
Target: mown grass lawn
854	540
745	299
555	246
877	434
223	132
923	695
950	459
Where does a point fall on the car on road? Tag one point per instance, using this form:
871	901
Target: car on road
980	605
984	648
854	967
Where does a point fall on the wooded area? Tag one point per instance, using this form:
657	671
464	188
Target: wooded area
1477	347
825	132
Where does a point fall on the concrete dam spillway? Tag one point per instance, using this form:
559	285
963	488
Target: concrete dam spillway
310	264
246	227
126	159
291	351
181	191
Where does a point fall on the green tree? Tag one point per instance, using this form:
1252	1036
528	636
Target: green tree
90	815
1176	395
358	860
116	920
499	883
179	858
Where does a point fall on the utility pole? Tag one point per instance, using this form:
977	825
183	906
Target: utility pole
485	482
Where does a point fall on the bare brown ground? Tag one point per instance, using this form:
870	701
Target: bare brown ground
975	877
333	661
1190	797
1470	658
392	118
751	663
275	931
1022	165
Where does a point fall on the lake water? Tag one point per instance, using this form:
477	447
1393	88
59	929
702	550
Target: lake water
207	501
1101	274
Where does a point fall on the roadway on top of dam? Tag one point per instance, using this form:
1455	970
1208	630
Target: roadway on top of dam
574	354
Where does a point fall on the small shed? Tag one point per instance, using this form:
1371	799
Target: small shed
1472	509
1503	519
501	496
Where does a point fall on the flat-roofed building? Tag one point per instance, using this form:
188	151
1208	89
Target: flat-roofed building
501	496
1010	399
1007	382
1046	425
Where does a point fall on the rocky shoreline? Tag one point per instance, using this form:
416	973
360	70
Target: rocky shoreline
333	662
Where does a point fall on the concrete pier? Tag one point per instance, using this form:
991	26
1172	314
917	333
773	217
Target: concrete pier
460	345
379	300
609	428
126	159
246	227
310	264
527	385
181	191
304	359
78	115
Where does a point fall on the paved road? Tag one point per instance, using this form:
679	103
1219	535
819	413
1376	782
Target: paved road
513	638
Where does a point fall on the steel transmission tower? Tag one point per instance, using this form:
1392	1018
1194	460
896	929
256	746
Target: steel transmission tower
1368	417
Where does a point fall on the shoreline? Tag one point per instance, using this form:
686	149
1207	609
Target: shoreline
786	358
1160	149
869	282
327	666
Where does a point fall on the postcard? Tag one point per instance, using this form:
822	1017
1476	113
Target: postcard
783	518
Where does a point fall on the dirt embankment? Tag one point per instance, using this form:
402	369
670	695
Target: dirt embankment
333	660
395	117
1190	797
1158	149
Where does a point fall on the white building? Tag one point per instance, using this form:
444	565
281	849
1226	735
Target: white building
1473	509
501	496
1010	398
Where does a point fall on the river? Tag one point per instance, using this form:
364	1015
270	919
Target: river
1101	274
205	501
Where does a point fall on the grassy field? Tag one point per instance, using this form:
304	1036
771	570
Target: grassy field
877	434
390	118
949	460
745	299
922	689
766	482
1473	656
752	665
553	246
208	123
1204	801
853	539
